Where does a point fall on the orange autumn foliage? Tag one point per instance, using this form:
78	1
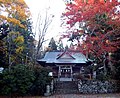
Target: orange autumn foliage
14	11
100	21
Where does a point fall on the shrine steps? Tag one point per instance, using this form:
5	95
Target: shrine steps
66	87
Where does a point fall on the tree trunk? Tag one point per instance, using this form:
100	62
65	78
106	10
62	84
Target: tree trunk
104	65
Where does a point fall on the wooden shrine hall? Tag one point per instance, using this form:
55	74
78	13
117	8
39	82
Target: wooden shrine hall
64	64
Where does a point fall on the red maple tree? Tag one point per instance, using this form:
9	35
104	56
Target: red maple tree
99	24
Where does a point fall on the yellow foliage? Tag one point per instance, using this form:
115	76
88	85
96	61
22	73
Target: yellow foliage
19	39
13	58
19	49
14	33
3	17
17	11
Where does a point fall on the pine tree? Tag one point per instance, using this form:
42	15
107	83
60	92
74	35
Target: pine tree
52	44
60	46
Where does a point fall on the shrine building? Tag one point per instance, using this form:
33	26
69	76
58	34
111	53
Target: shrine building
64	64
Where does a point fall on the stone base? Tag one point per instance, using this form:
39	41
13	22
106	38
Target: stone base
65	79
47	94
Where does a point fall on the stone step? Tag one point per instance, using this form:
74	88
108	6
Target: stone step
61	91
66	87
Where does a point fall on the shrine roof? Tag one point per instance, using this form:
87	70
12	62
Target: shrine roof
63	57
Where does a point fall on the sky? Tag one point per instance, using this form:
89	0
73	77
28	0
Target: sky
57	7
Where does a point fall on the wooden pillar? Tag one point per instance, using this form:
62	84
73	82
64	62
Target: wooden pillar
59	72
90	77
71	71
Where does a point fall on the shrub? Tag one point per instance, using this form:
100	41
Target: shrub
41	80
17	81
21	80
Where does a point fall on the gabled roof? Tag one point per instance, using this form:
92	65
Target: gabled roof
63	57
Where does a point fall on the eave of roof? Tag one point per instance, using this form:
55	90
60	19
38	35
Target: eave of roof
52	57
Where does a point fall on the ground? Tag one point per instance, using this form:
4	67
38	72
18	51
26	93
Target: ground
78	96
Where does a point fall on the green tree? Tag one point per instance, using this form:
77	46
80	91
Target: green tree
60	45
19	41
66	47
52	44
3	58
4	30
17	81
41	81
28	44
24	80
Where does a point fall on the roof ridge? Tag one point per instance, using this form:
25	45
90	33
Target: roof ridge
65	52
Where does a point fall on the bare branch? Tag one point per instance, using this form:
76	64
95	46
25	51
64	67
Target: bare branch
42	25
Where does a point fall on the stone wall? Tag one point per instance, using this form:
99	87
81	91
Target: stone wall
95	86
